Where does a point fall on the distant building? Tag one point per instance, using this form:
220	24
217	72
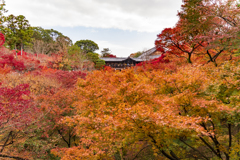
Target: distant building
124	62
150	54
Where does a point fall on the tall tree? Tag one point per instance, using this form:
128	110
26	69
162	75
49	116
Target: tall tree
9	29
63	43
94	57
216	22
41	41
105	52
87	45
174	41
2	10
24	31
77	56
17	31
47	41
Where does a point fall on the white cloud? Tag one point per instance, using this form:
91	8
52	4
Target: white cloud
135	15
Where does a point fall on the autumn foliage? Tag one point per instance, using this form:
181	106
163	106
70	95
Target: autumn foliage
2	39
26	84
207	31
177	114
156	63
15	104
182	105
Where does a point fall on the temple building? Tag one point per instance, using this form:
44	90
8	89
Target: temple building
124	62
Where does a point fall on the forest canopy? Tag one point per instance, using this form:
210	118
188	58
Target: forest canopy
59	101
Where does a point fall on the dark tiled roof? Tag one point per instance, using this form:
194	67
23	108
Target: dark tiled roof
107	59
137	59
146	58
120	59
148	52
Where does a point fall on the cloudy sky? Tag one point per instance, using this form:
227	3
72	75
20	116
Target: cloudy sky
123	26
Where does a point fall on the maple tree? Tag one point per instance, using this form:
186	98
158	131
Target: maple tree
19	95
17	114
208	29
188	113
2	39
9	60
214	24
173	41
67	79
13	104
50	134
156	63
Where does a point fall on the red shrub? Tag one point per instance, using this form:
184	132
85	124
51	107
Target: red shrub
154	62
108	68
15	105
2	39
10	61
